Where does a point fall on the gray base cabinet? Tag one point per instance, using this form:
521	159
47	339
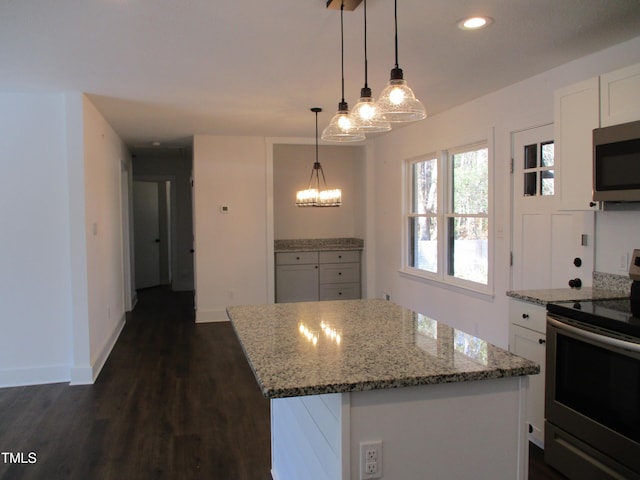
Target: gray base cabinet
320	275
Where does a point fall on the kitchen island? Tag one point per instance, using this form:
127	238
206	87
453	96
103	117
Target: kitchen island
444	404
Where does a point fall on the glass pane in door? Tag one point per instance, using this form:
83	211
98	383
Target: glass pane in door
531	156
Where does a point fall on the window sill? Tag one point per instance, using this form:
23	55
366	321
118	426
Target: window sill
483	294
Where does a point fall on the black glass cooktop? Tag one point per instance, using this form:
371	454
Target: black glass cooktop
613	315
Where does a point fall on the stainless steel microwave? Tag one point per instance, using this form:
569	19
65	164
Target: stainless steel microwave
616	163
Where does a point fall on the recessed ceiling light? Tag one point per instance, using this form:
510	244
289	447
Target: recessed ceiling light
474	23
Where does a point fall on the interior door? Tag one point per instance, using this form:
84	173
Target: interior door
146	218
550	247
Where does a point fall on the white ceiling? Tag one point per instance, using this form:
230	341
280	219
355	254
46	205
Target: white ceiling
164	70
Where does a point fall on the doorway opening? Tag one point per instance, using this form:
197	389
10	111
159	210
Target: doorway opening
163	219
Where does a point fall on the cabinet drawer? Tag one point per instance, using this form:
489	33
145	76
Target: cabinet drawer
346	291
528	315
296	258
340	256
340	273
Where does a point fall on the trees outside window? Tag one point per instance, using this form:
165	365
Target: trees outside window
448	219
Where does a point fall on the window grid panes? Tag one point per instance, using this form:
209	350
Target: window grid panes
468	223
453	237
423	222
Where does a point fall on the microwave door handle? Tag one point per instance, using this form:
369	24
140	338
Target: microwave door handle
603	339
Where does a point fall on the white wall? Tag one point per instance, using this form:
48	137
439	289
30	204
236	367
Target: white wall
343	168
35	288
104	157
231	249
520	106
617	235
61	286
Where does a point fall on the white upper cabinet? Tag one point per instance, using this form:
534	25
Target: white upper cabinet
576	115
620	96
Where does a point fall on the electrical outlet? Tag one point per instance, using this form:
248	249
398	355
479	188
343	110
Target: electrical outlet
370	460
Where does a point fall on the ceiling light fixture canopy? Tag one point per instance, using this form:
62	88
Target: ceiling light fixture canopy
314	197
342	128
397	103
366	114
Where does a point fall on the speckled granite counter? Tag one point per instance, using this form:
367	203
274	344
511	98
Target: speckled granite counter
318	244
298	349
544	296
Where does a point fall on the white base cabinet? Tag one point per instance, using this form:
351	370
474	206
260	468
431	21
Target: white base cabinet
318	275
527	338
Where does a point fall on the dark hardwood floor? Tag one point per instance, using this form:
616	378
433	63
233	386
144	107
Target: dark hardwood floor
175	400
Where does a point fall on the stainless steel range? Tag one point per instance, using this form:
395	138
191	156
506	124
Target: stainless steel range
592	391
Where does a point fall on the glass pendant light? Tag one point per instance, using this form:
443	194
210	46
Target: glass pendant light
342	128
365	114
397	103
314	197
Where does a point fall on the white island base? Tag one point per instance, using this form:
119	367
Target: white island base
448	431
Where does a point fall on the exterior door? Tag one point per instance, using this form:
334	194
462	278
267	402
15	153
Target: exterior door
146	218
550	247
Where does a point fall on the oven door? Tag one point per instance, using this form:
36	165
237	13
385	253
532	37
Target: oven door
592	399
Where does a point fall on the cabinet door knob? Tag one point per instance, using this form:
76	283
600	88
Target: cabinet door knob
297	258
542	341
525	315
339	256
530	428
339	273
592	204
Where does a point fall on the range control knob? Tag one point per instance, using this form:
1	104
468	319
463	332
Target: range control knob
575	283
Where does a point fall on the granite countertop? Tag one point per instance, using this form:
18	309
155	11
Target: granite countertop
313	348
317	244
544	296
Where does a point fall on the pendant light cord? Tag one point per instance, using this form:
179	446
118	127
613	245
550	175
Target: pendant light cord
395	15
342	46
316	166
366	66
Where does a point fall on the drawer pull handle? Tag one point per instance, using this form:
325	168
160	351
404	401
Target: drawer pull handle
339	273
525	315
542	341
297	258
339	293
339	256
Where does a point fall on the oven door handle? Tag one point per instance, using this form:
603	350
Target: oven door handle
603	339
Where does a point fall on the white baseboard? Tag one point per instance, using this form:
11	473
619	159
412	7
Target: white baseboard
19	377
209	316
86	375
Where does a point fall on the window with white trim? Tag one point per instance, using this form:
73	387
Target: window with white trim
448	217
